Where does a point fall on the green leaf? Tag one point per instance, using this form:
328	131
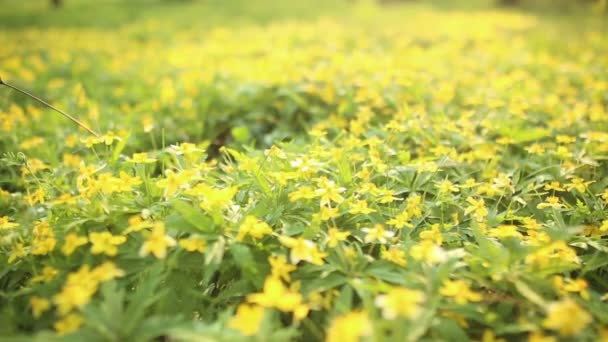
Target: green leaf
194	216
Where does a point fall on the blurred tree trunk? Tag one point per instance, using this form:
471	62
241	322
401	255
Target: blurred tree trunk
56	3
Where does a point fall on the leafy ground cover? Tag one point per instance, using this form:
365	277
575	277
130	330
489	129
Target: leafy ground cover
320	170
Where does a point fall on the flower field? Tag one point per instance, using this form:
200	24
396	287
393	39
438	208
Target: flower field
313	171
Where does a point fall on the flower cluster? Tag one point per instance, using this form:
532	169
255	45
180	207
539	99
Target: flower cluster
437	178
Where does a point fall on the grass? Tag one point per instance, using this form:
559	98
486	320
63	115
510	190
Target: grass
319	170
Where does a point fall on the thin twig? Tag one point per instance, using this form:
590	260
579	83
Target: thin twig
76	121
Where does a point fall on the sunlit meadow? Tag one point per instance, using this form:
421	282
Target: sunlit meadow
314	170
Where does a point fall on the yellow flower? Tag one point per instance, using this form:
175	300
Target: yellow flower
68	324
531	223
213	199
254	227
428	251
505	231
538	336
459	290
395	255
5	224
550	202
175	181
136	224
400	302
280	268
567	317
557	251
72	241
147	123
400	221
554	186
39	305
17	252
277	295
349	327
302	249
578	184
109	138
105	243
446	187
71	160
334	236
386	196
48	273
328	213
44	238
604	226
106	271
157	242
328	191
77	291
377	233
65	199
433	234
141	158
35	197
360	207
477	207
193	244
302	192
247	319
125	182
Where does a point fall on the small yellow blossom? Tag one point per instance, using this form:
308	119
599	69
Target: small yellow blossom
328	191
428	251
35	197
302	249
360	207
141	158
48	273
106	271
446	187
173	182
106	243
550	202
157	242
377	233
302	192
277	295
349	327
39	305
280	268
578	184
395	255
477	207
193	244
248	319
17	252
68	324
554	186
253	227
6	224
459	290
401	220
334	236
328	213
567	317
400	302
72	241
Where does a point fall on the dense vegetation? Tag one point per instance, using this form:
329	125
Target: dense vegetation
315	170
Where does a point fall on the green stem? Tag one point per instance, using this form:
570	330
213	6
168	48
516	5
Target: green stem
76	121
